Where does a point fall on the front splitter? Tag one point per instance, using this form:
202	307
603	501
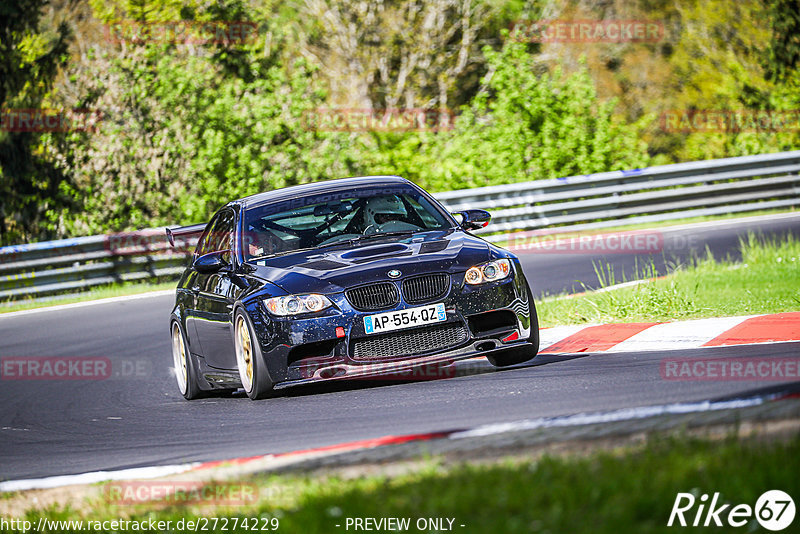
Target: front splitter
376	370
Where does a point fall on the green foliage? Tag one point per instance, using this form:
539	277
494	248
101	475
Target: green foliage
188	127
719	64
30	56
403	53
525	125
714	55
186	132
140	10
784	50
529	126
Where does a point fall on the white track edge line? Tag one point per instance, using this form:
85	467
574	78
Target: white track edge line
625	414
96	476
108	300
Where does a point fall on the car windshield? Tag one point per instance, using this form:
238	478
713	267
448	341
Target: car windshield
338	217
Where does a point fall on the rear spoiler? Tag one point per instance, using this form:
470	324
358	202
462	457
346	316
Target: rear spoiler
180	231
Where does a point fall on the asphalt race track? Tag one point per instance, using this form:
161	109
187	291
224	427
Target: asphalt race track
137	418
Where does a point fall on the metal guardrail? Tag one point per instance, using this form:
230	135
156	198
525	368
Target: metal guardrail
654	194
594	201
69	265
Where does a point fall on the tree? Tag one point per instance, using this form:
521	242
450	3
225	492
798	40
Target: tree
523	126
188	128
409	53
30	55
784	50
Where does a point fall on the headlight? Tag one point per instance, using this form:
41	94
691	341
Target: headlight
488	272
296	304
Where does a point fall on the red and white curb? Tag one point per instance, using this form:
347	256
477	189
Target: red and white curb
637	337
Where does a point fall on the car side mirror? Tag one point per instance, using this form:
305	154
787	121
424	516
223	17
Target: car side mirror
211	263
474	219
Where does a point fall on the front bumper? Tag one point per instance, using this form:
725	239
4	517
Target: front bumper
307	350
398	369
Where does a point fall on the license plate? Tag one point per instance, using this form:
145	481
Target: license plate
395	320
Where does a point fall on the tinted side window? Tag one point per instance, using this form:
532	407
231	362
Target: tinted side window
223	232
423	209
219	234
203	244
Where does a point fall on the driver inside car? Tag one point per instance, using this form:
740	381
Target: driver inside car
261	243
386	214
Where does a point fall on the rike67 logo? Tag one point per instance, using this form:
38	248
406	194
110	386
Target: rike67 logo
774	510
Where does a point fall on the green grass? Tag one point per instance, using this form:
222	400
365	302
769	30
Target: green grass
100	292
629	490
767	280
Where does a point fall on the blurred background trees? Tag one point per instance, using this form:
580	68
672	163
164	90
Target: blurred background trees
187	126
33	47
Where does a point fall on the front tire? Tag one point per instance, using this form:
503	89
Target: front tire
184	365
513	356
253	372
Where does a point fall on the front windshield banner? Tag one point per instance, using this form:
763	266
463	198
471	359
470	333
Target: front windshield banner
337	217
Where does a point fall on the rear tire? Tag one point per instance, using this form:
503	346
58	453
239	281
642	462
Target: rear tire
185	372
528	351
253	372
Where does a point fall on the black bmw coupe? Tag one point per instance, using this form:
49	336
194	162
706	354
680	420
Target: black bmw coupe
351	278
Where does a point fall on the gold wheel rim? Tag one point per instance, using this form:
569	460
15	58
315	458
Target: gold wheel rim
244	353
179	358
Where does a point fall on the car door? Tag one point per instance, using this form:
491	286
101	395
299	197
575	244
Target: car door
214	298
192	286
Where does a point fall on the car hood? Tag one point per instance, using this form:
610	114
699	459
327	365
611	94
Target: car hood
333	269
